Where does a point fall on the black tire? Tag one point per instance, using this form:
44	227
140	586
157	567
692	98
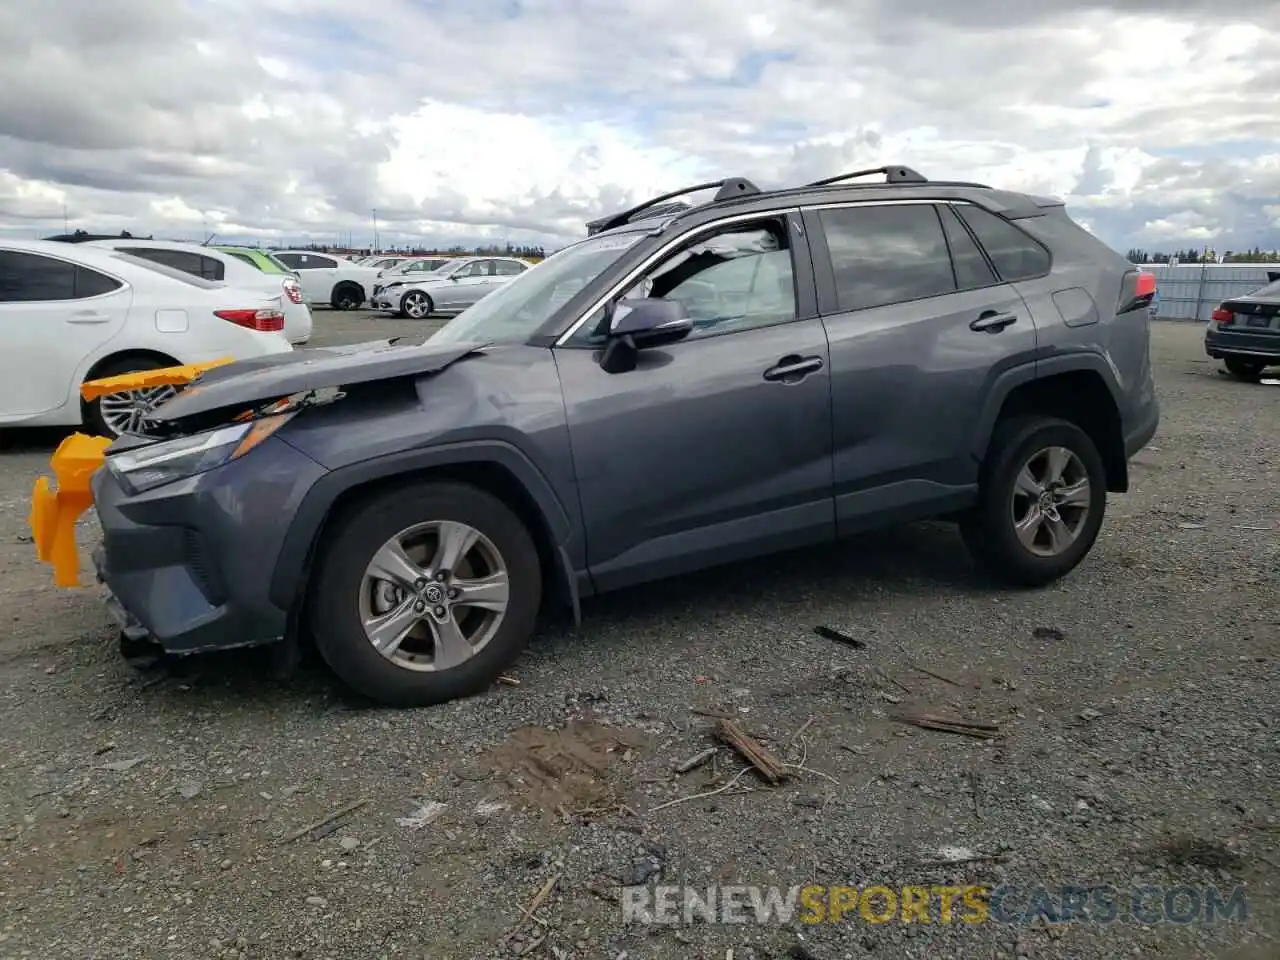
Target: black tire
92	410
347	296
988	529
1248	370
404	304
333	608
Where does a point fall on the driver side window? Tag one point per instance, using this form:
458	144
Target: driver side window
736	279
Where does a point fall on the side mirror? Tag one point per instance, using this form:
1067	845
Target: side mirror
650	322
642	324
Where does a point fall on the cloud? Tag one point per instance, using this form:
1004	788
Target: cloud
520	119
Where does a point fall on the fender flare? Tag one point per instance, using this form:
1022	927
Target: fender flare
1004	381
292	567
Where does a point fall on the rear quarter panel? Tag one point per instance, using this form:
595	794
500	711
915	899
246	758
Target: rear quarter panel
1121	343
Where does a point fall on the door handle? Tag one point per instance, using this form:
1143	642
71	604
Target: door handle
991	321
792	368
88	316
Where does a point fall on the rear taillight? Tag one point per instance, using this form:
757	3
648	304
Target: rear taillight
1137	290
264	321
1222	316
293	291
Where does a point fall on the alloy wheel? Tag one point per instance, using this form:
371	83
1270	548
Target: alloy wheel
124	412
434	595
415	305
1050	501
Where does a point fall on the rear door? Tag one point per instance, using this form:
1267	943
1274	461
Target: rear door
53	314
918	323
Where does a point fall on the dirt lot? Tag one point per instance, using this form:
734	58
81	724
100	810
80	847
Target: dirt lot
150	814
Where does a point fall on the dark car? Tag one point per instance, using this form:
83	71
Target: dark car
763	371
1244	332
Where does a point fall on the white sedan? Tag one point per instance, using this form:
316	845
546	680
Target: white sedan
71	312
211	264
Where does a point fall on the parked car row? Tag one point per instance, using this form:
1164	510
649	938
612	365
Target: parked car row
455	285
72	312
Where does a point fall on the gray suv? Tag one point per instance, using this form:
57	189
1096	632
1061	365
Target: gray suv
763	371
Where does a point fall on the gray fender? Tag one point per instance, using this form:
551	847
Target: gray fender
292	565
1004	380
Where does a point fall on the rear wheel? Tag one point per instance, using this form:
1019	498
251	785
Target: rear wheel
347	296
119	413
1249	370
416	305
425	594
1041	503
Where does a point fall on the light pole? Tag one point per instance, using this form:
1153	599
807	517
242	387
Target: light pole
375	230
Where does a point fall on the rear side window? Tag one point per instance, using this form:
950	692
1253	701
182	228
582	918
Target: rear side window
173	273
508	268
243	256
31	278
308	261
290	260
972	269
887	254
1015	255
188	261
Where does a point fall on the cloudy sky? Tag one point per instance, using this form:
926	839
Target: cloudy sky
465	120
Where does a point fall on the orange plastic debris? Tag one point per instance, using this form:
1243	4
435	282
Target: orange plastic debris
163	377
55	509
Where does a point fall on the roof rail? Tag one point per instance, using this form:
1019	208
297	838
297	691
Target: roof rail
891	175
725	189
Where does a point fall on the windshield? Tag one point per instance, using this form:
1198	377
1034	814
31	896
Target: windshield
519	307
1272	289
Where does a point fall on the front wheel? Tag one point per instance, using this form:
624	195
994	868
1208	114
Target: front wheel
1041	502
416	305
425	594
120	413
1248	370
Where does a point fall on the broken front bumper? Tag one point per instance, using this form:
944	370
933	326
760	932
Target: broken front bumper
55	507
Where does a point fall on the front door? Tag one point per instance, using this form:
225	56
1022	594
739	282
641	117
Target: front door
718	447
468	285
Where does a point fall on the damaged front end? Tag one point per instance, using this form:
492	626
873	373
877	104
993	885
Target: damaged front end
57	506
222	411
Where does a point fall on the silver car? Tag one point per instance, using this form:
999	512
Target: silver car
449	290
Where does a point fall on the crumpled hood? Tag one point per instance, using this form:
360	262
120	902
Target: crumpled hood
262	379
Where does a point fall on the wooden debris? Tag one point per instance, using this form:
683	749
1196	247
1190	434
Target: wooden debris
828	633
768	766
530	912
936	676
713	714
966	728
800	733
325	821
697	760
508	681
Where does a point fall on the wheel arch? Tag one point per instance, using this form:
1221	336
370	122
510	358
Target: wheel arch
347	284
97	368
498	468
1079	388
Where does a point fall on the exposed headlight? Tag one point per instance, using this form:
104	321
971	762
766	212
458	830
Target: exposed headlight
146	468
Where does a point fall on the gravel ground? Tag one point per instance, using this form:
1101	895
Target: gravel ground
148	814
